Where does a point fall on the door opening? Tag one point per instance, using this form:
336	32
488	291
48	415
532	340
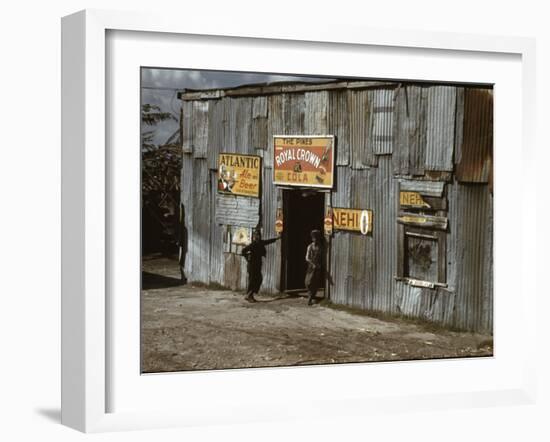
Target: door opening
303	212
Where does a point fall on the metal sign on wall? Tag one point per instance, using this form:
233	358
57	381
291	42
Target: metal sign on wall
353	220
305	161
239	174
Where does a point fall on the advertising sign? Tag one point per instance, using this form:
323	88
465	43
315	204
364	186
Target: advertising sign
279	221
328	222
353	220
239	174
412	199
305	161
242	236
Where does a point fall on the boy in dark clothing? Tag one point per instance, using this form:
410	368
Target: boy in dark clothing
254	252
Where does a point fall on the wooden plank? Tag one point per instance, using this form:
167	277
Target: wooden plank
412	219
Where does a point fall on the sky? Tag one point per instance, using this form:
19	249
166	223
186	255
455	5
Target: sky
160	86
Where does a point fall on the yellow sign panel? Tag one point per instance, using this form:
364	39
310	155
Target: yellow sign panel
239	174
354	220
412	199
305	161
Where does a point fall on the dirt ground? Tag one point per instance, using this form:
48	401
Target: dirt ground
187	327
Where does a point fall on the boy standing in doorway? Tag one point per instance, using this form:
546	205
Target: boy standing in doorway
314	259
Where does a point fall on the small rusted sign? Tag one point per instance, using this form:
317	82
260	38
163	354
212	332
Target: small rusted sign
354	220
412	199
239	174
279	221
328	222
242	236
305	161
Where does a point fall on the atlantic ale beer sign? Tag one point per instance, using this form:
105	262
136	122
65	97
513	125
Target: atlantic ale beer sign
305	161
239	174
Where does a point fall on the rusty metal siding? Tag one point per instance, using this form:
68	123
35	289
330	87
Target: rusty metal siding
237	210
294	106
275	125
470	255
381	135
360	109
230	123
272	261
259	123
243	130
360	265
187	126
316	113
199	236
341	240
188	200
440	124
216	132
200	128
428	188
435	305
216	236
409	130
338	125
475	153
382	197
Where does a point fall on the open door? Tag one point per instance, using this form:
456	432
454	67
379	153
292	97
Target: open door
303	212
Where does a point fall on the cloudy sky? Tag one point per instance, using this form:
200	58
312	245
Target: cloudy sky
160	86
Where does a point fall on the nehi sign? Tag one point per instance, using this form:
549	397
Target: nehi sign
305	161
354	220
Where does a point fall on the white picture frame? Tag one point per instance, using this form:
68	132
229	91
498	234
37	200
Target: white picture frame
88	201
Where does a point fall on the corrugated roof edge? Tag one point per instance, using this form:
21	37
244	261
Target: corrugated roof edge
278	88
297	87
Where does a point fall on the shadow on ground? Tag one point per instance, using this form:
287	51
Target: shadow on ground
151	281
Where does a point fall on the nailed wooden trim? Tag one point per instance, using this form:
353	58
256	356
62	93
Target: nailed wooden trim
413	219
420	282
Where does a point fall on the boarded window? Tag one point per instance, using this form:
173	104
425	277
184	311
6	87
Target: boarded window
422	233
421	252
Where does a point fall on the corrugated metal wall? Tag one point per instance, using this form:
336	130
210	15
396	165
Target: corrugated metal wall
385	134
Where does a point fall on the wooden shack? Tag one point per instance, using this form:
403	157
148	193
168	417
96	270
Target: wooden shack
414	158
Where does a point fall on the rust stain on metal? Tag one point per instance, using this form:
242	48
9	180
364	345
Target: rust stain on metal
476	152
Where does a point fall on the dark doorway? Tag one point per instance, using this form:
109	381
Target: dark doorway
303	212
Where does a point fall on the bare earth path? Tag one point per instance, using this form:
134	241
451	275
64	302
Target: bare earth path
194	328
